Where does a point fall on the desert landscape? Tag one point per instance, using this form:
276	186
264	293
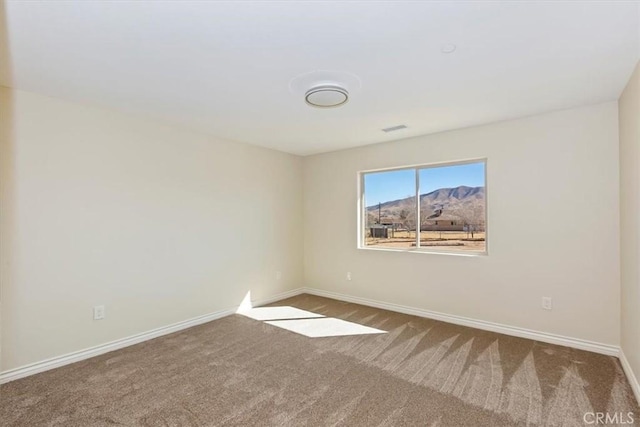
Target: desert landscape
450	219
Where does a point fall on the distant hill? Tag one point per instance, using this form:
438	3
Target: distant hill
464	203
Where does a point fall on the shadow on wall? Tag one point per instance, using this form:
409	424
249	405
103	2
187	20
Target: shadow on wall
7	186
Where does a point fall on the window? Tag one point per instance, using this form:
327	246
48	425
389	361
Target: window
448	216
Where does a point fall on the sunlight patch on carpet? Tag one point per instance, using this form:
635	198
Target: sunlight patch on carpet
324	327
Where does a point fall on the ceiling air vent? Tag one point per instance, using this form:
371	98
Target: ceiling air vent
394	128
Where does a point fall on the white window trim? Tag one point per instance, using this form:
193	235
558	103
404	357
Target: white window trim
361	209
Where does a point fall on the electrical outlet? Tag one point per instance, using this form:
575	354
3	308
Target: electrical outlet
98	312
348	275
278	275
547	303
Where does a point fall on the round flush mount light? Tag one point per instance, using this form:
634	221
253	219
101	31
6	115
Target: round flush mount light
326	96
448	48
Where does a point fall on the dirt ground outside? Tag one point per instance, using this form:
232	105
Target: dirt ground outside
442	240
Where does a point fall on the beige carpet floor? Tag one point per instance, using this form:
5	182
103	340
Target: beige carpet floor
237	371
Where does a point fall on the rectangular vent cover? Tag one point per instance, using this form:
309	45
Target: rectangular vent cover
394	128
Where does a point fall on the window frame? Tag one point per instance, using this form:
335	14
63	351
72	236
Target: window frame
362	209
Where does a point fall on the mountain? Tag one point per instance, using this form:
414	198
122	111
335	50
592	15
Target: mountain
467	203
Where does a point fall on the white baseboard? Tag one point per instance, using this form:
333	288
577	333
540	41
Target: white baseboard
610	350
76	356
278	297
633	380
55	362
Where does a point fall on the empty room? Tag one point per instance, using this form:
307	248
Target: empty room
319	213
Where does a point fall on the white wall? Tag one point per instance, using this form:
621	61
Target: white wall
553	202
629	106
157	223
161	224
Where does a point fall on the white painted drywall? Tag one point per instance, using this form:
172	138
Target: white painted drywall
157	223
629	107
239	69
553	202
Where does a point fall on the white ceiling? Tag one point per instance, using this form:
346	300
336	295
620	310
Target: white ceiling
226	68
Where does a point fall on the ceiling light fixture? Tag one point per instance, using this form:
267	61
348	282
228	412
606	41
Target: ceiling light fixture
326	96
448	48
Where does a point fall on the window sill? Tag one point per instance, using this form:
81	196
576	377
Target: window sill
472	254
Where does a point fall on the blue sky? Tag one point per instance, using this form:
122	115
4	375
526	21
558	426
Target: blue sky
383	187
